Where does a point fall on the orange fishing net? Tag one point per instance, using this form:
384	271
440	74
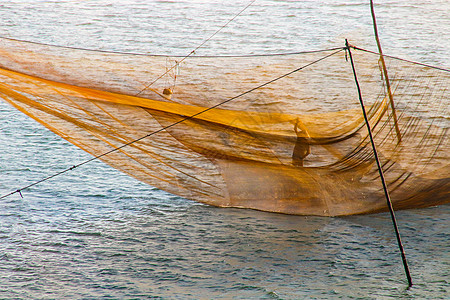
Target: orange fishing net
298	145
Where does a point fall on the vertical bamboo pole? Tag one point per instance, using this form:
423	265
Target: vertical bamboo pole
386	77
380	171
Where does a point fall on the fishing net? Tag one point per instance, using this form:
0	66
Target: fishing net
223	131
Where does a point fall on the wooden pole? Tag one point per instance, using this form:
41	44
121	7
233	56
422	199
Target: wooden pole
386	77
380	171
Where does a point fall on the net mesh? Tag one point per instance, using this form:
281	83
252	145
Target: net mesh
298	145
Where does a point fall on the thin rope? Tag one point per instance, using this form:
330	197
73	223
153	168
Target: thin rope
231	55
402	59
174	56
198	47
171	125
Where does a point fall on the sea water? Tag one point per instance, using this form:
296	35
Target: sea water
95	233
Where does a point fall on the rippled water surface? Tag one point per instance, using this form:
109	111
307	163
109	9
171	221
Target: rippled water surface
95	233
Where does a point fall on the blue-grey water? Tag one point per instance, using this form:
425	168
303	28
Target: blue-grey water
95	233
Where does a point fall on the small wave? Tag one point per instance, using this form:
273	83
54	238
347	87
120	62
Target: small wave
81	233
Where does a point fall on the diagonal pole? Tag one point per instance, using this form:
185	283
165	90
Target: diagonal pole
380	171
385	73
